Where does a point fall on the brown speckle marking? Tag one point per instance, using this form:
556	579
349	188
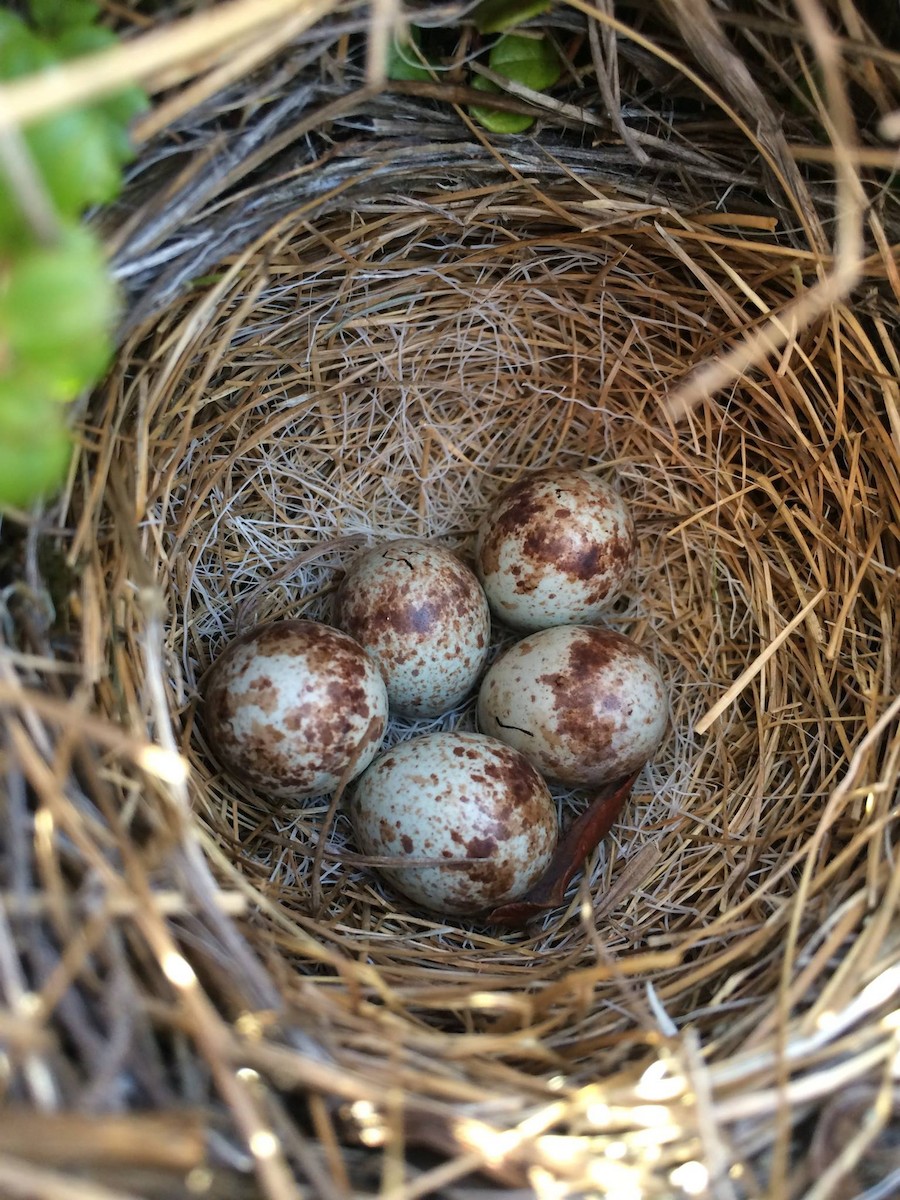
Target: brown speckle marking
478	847
263	693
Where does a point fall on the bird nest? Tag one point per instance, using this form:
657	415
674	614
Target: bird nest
352	313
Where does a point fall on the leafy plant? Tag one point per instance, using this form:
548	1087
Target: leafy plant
493	16
404	61
495	119
57	304
55	17
57	301
527	60
530	61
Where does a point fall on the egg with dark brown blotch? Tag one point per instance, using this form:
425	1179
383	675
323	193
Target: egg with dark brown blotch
422	615
556	548
443	797
290	706
585	704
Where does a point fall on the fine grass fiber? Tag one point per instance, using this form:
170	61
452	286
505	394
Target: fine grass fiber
351	314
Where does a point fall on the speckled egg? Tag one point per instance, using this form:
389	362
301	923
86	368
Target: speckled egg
448	796
555	549
585	704
287	706
422	615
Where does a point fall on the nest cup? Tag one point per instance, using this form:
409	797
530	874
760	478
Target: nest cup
364	321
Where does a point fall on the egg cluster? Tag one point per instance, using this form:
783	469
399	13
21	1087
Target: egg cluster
296	708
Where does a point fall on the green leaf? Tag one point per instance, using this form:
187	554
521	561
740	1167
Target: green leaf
33	465
493	118
403	61
53	17
10	23
78	152
77	160
83	39
493	16
11	27
78	155
35	448
57	308
21	52
122	107
118	109
24	403
532	62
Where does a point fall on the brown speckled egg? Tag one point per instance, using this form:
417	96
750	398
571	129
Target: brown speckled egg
451	796
585	704
556	549
288	705
423	617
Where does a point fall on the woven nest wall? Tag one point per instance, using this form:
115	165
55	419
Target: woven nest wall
353	313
